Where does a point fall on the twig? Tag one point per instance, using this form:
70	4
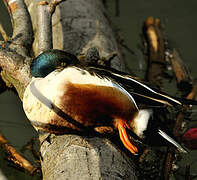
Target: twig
126	47
156	58
143	156
184	80
3	33
54	4
16	157
193	93
168	163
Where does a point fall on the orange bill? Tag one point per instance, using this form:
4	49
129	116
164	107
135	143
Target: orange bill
124	138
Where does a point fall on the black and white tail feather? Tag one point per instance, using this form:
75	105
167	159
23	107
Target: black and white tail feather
172	141
141	126
139	90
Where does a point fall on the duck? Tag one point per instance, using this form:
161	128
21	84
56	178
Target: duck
65	96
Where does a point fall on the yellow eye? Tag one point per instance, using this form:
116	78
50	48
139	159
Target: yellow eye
63	64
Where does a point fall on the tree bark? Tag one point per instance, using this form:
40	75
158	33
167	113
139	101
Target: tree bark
77	26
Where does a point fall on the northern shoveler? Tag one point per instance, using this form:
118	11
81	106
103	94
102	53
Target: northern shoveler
75	98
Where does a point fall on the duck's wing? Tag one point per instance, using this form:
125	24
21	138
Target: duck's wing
141	92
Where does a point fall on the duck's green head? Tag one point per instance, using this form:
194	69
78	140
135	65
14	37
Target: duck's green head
50	60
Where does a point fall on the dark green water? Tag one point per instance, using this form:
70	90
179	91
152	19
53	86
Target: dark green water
179	20
177	17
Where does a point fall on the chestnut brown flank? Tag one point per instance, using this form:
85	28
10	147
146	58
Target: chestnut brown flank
94	105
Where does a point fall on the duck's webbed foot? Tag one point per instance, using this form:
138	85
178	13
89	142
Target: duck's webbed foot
122	125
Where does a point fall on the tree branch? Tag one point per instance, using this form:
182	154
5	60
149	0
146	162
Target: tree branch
45	12
3	33
21	24
15	70
14	59
16	157
79	25
156	59
44	27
